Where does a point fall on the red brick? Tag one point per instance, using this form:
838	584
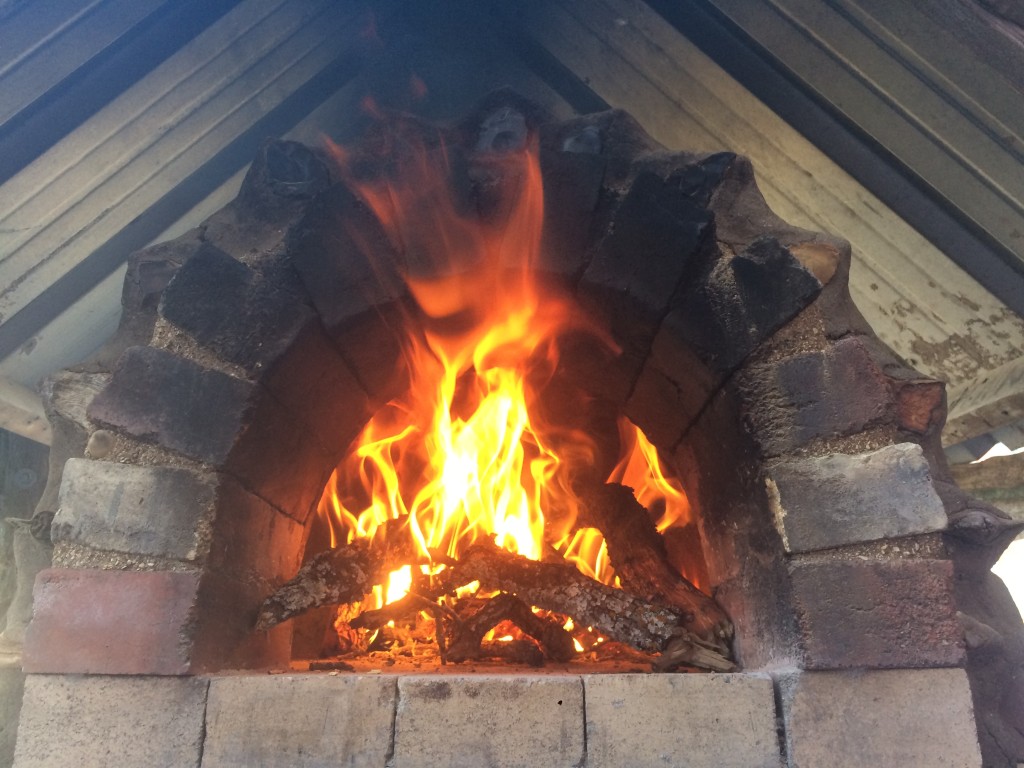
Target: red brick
111	622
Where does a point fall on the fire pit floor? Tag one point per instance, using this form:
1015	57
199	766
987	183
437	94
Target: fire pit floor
503	717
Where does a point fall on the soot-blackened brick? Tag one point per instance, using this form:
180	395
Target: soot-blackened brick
230	309
741	301
877	614
157	396
572	188
833	393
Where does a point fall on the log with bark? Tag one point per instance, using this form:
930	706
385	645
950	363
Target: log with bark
338	576
621	616
637	553
487	613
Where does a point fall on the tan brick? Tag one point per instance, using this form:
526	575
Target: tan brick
482	721
299	721
101	722
899	717
697	721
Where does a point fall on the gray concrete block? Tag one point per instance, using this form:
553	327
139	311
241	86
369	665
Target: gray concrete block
489	720
142	510
697	721
12	685
99	721
831	501
299	721
898	717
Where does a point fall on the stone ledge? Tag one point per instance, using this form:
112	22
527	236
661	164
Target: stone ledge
897	717
483	721
299	720
698	721
99	722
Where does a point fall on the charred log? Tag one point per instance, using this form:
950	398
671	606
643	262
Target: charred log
563	589
638	554
338	576
468	634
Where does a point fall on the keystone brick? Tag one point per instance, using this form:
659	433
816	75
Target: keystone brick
668	720
142	510
486	721
868	719
878	614
299	721
841	499
99	721
111	622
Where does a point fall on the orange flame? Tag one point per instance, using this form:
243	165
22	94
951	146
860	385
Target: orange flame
462	452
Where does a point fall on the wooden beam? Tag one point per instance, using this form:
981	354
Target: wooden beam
984	404
21	412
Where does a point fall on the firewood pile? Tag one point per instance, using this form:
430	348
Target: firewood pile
656	614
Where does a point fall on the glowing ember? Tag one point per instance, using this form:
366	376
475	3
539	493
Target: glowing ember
463	452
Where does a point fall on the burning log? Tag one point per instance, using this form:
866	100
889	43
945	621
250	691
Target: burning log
338	576
620	615
468	634
637	552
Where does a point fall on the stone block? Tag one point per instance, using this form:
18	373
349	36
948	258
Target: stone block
234	311
157	396
299	721
111	622
99	722
158	511
696	721
837	392
876	614
831	501
449	721
866	719
12	685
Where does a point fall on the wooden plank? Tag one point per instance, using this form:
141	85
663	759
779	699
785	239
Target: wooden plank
21	412
65	48
921	304
898	105
146	144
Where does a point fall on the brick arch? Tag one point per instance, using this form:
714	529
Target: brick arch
277	338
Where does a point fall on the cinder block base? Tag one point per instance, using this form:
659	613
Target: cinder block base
697	721
299	721
898	717
484	721
100	722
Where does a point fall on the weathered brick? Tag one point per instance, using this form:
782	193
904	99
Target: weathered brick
156	395
156	511
111	622
866	719
98	721
670	720
831	501
489	721
876	614
234	311
833	393
299	720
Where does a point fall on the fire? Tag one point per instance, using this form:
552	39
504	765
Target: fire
463	452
